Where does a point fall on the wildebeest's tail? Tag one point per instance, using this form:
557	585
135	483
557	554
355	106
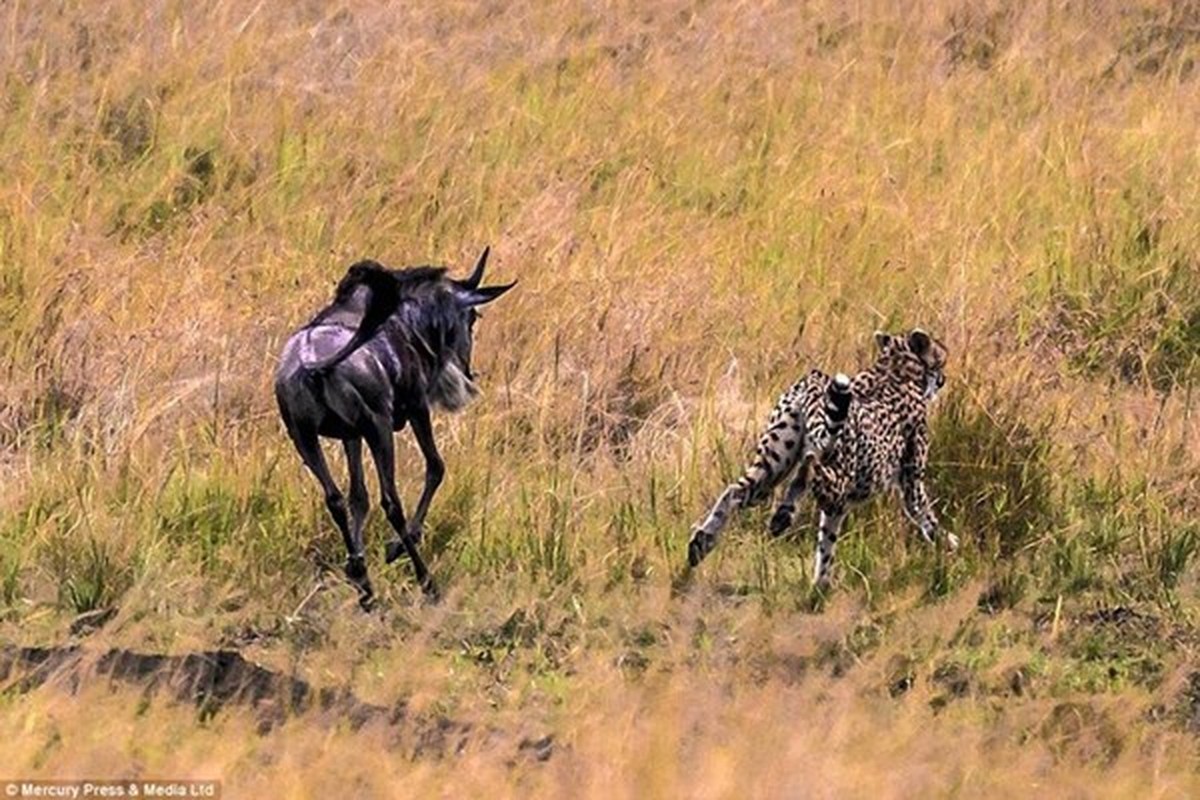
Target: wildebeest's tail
383	299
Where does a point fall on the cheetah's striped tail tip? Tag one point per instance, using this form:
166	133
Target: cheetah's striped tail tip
837	400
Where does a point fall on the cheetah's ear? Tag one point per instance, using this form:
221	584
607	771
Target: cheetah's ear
919	341
882	339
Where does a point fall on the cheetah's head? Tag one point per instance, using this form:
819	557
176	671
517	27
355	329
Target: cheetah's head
914	356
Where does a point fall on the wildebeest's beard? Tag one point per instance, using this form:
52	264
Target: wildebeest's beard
453	388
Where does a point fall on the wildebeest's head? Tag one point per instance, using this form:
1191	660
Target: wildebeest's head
468	296
423	308
457	312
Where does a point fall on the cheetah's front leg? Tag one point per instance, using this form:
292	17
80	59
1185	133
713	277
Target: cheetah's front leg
827	535
919	509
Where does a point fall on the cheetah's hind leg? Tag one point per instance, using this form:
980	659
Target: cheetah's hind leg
776	456
823	429
785	512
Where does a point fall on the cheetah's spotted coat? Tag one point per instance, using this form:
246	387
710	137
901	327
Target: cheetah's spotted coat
884	443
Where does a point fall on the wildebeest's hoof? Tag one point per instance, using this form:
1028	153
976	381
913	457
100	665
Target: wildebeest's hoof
366	597
430	589
781	520
395	549
356	569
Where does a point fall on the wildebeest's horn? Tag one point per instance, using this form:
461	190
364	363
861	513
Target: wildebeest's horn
487	294
477	275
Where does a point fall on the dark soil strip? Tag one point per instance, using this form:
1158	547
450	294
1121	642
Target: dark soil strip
214	679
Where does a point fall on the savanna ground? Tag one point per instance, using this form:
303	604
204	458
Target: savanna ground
700	200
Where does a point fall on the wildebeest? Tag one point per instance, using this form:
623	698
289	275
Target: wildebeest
392	345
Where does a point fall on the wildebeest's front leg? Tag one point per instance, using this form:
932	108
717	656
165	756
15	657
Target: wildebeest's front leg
435	469
378	433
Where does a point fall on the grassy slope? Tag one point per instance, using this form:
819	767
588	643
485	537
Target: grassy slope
700	202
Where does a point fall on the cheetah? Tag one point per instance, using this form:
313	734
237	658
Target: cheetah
884	445
803	425
881	441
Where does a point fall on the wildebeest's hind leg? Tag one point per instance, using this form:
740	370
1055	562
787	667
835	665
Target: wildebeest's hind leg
309	445
356	562
378	433
435	469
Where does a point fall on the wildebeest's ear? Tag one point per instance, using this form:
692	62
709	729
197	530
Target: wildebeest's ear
486	294
472	282
919	341
882	339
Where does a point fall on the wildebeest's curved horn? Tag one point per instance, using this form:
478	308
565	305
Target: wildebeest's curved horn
477	275
487	294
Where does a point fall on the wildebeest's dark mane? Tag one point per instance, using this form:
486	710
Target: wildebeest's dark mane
389	288
423	319
369	272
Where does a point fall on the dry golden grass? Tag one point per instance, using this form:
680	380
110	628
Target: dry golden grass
700	200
